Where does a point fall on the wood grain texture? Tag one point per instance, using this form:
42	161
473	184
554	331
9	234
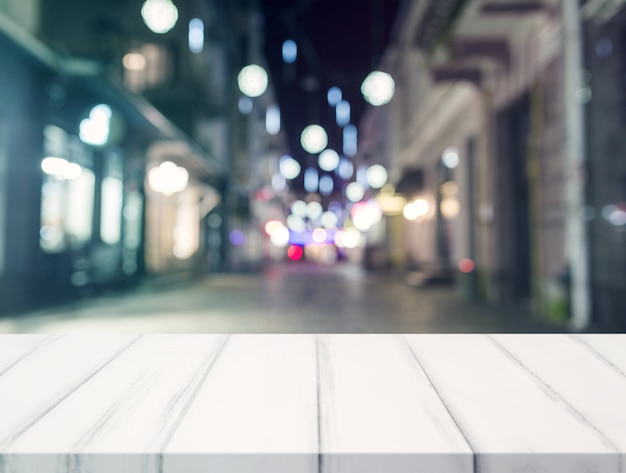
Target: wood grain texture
132	406
312	403
257	412
509	418
380	413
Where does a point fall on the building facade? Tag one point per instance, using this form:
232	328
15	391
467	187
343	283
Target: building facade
486	132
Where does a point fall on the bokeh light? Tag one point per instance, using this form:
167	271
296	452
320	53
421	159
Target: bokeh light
95	129
61	168
349	238
376	176
295	223
134	61
295	253
272	226
245	105
378	88
237	238
327	185
350	140
416	209
450	207
355	191
168	178
334	96
299	208
311	180
365	215
342	113
159	15
196	35
450	157
319	235
329	219
345	170
328	160
314	210
313	139
288	167
290	51
252	80
280	237
466	265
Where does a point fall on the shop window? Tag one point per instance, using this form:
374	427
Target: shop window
147	67
112	200
67	194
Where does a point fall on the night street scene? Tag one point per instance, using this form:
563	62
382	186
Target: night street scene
312	166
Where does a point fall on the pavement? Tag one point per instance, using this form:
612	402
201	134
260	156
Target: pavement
286	298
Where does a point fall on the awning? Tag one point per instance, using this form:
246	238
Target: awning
411	183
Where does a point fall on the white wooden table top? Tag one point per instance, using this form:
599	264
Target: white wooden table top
312	403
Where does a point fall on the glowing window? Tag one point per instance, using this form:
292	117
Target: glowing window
196	35
111	210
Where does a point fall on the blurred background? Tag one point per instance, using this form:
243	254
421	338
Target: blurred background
313	165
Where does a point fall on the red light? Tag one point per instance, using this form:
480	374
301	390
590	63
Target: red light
295	253
466	265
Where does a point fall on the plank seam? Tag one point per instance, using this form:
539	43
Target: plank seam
551	392
42	343
459	424
598	355
320	457
203	373
9	439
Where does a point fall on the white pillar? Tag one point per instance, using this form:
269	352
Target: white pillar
575	228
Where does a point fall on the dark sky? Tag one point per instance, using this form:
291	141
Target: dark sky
339	43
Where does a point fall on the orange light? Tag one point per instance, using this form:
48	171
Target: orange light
466	265
295	253
272	226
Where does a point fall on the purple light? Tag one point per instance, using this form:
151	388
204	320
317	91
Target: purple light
237	237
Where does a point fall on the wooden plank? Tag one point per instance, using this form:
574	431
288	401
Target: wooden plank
509	419
610	348
48	375
257	413
598	398
15	348
380	413
121	419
